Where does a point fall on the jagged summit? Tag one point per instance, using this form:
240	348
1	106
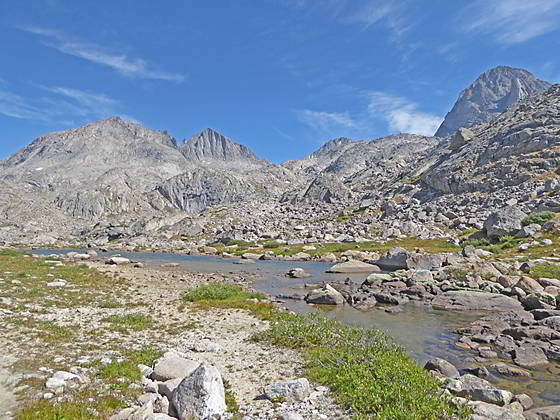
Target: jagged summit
211	146
490	95
330	146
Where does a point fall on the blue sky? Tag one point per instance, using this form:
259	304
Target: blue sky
280	76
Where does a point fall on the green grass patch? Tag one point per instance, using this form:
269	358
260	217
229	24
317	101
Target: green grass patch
109	304
231	402
80	408
128	369
366	371
458	274
53	332
12	253
229	296
271	245
218	291
539	218
135	322
545	270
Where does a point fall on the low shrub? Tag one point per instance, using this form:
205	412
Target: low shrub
539	218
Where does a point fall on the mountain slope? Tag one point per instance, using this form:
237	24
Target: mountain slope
519	145
488	96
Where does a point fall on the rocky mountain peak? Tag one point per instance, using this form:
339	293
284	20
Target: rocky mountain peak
211	146
490	95
331	146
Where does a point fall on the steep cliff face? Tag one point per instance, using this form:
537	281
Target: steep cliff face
194	191
490	95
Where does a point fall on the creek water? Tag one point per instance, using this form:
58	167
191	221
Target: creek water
424	332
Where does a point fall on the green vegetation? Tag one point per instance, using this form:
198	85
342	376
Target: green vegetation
135	322
128	369
230	296
413	180
458	274
545	270
85	406
88	404
271	245
539	218
497	246
11	253
231	402
366	370
84	285
52	332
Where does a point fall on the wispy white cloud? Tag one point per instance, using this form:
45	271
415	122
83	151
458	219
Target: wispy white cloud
61	105
402	115
388	13
131	67
327	123
283	134
511	21
14	106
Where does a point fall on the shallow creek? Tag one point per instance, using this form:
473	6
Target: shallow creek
424	332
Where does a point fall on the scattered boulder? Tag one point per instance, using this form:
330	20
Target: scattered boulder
172	365
353	266
529	356
60	380
475	388
551	412
484	411
251	256
327	295
297	389
507	370
469	300
297	273
118	261
529	285
461	137
394	259
504	222
442	367
200	395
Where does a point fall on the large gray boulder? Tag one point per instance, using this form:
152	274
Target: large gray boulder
504	222
461	137
200	395
442	367
297	389
551	412
470	300
172	365
327	295
394	259
353	266
475	388
400	259
485	411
